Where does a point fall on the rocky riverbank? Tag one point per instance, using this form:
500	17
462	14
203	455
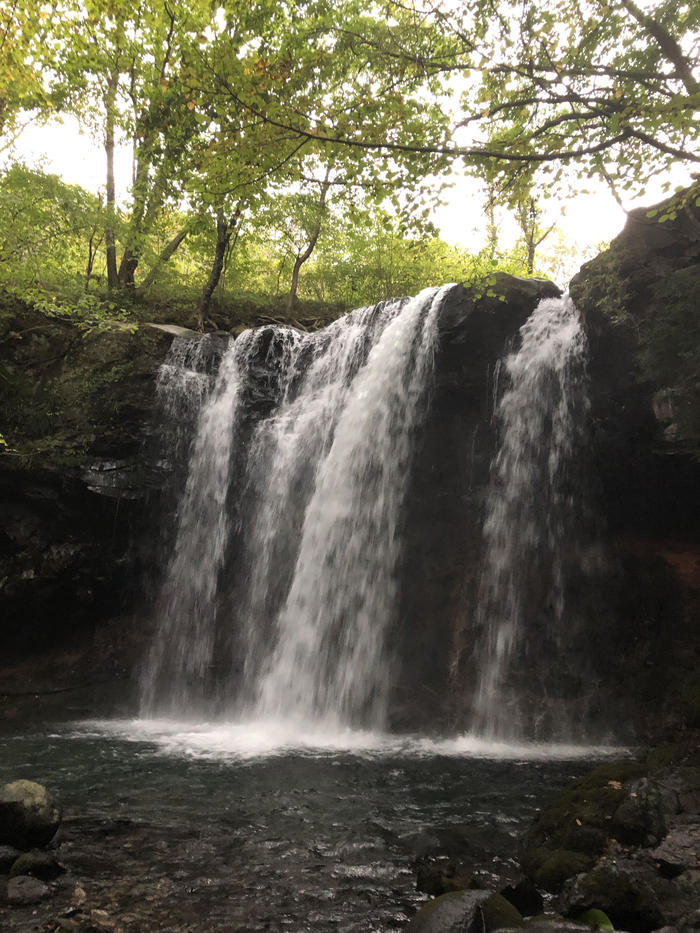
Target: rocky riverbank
619	849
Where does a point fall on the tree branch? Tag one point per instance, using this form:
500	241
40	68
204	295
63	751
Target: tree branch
666	43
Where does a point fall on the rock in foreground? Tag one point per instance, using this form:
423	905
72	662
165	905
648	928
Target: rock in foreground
29	815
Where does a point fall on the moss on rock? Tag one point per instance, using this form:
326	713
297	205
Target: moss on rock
499	913
572	832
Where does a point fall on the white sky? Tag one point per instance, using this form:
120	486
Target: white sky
586	221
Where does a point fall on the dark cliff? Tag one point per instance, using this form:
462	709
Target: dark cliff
639	303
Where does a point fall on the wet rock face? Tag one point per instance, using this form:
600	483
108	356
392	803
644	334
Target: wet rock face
72	482
638	300
639	303
72	493
442	535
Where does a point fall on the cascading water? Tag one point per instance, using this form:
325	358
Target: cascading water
182	650
533	529
331	659
305	613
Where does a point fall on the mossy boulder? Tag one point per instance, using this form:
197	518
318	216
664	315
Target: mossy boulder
569	835
29	815
499	913
38	864
620	891
550	869
456	912
595	919
466	912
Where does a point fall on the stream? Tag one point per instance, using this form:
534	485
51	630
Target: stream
176	826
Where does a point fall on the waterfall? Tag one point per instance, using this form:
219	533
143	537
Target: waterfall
533	527
183	647
283	572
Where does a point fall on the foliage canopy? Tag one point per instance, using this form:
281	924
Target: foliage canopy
235	110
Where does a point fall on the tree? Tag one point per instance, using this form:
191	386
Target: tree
528	214
49	231
27	32
122	72
606	84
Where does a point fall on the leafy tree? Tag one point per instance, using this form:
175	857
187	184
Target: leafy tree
528	214
49	230
606	83
27	32
122	71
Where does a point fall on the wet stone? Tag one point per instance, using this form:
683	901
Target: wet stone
24	890
42	865
29	815
457	912
679	851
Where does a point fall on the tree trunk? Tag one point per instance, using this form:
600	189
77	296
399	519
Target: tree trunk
531	246
224	229
110	239
292	296
168	250
93	246
301	258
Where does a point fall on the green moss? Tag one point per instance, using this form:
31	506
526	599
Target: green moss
627	900
595	919
62	387
499	912
553	867
568	836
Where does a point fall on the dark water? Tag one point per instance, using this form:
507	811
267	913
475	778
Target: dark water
167	829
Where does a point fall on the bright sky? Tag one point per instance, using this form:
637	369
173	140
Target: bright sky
586	221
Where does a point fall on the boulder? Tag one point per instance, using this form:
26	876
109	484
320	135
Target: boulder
639	820
438	876
679	851
38	864
623	891
499	913
525	897
466	912
24	890
596	920
29	815
456	912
